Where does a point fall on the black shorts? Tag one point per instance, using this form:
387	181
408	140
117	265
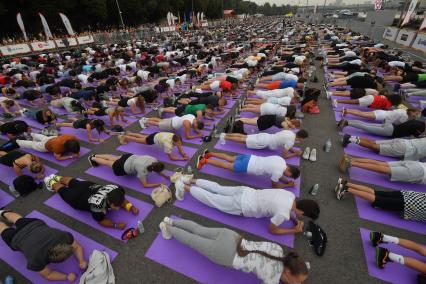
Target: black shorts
150	138
180	110
410	77
71	193
123	102
265	122
389	200
357	93
8	234
118	166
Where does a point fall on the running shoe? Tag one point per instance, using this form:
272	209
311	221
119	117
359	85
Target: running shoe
313	155
121	139
142	123
165	231
207	154
345	163
335	104
382	257
344	112
179	190
306	153
376	238
346	140
341	191
160	111
339	182
92	162
49	181
168	221
342	124
201	162
329	94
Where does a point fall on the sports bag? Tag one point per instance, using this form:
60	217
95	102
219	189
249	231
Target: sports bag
161	195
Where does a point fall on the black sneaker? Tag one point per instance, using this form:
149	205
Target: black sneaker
342	124
382	257
376	238
92	162
346	140
397	87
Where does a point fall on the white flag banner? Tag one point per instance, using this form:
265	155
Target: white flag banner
315	9
169	22
423	26
202	16
67	24
198	17
410	11
21	25
46	28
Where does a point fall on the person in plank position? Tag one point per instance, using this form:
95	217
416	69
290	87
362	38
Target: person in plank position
405	171
280	205
228	248
128	164
283	139
40	244
273	166
165	140
187	122
91	197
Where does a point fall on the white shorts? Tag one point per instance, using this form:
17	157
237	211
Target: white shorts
366	100
257	141
215	86
380	114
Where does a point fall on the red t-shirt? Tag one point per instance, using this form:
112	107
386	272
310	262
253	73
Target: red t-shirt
225	85
381	102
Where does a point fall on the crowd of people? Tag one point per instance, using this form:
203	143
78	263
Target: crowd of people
182	85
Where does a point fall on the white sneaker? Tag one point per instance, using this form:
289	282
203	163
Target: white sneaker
49	181
313	155
160	111
335	104
329	94
168	221
179	190
186	179
165	231
222	138
306	153
142	123
175	177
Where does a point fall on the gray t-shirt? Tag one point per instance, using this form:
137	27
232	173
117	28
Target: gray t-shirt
416	149
35	239
137	165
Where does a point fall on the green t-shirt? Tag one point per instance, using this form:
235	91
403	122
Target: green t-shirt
192	109
422	77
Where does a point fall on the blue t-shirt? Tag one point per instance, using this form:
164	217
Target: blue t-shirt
87	68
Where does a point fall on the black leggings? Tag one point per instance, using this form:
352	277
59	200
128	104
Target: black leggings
389	200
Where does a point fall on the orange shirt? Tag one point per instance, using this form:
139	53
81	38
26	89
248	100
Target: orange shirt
56	145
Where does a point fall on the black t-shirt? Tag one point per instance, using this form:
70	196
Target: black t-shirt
35	239
12	127
40	118
408	128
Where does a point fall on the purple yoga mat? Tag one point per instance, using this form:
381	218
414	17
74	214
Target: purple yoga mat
393	272
382	180
358	151
128	181
366	211
7	174
252	180
157	152
5	198
50	157
183	259
241	148
117	216
197	140
17	260
256	226
81	134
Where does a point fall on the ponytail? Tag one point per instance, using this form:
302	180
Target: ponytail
243	252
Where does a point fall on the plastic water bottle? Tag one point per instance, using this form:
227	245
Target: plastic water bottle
214	130
314	189
141	228
189	170
327	146
8	280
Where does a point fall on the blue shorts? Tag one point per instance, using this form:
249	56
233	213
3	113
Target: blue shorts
241	163
288	83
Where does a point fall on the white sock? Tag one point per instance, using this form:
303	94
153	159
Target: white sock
396	258
390	239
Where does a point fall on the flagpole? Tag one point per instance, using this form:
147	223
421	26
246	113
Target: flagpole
119	12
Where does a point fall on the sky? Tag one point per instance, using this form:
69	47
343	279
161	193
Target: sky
303	2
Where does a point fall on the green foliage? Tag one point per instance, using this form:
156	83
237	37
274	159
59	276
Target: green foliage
101	14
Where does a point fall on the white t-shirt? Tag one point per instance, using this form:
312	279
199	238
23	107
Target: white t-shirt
274	203
277	93
215	86
396	64
82	78
350	53
143	74
285	101
171	83
272	109
269	271
177	121
416	149
396	117
273	166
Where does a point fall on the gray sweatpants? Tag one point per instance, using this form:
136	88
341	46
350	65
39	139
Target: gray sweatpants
217	244
385	129
416	92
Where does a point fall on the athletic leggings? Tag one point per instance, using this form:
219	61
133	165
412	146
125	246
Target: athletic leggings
416	92
385	129
217	244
